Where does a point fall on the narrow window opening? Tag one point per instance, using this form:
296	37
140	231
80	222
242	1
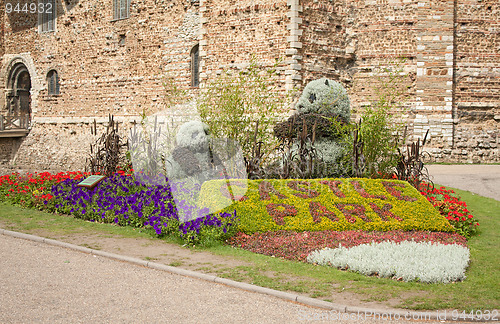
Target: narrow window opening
121	9
53	83
195	66
47	15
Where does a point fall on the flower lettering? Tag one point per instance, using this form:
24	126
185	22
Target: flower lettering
334	186
279	211
363	193
317	210
306	192
389	186
384	213
224	190
265	188
351	210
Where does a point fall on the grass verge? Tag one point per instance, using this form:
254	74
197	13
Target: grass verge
478	292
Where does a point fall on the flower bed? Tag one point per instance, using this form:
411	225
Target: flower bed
326	204
118	199
448	203
291	219
297	246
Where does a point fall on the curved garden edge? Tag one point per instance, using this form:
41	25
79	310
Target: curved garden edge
475	293
339	309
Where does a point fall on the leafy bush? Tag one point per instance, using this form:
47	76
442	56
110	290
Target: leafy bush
234	103
380	145
381	128
408	261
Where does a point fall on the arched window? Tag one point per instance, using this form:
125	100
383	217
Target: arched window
18	99
195	66
53	82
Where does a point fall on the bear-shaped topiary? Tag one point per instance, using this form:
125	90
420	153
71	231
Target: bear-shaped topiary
322	101
324	96
191	157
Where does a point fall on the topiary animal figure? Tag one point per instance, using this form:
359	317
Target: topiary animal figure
321	102
324	96
191	157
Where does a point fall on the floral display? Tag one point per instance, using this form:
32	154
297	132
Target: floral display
329	204
297	246
293	219
448	203
119	199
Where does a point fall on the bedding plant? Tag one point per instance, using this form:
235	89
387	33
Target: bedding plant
327	204
284	218
118	199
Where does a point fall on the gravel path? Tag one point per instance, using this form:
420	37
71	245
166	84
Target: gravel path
40	283
483	180
46	284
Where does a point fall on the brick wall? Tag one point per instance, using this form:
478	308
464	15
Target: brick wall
451	68
324	40
234	31
477	81
105	67
378	35
102	63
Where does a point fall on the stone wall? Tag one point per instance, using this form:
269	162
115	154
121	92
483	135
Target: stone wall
234	32
451	70
2	26
105	66
378	35
8	148
477	81
324	40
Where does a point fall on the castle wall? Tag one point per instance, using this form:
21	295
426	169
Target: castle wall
378	35
324	39
449	75
234	32
451	71
105	66
477	81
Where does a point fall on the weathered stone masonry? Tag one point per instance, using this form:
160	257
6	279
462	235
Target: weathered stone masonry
107	66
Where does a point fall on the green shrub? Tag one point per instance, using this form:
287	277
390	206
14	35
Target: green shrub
233	103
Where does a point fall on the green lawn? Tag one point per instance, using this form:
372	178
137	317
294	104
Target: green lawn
480	291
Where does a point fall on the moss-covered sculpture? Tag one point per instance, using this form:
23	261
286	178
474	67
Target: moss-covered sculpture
321	102
325	96
191	157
